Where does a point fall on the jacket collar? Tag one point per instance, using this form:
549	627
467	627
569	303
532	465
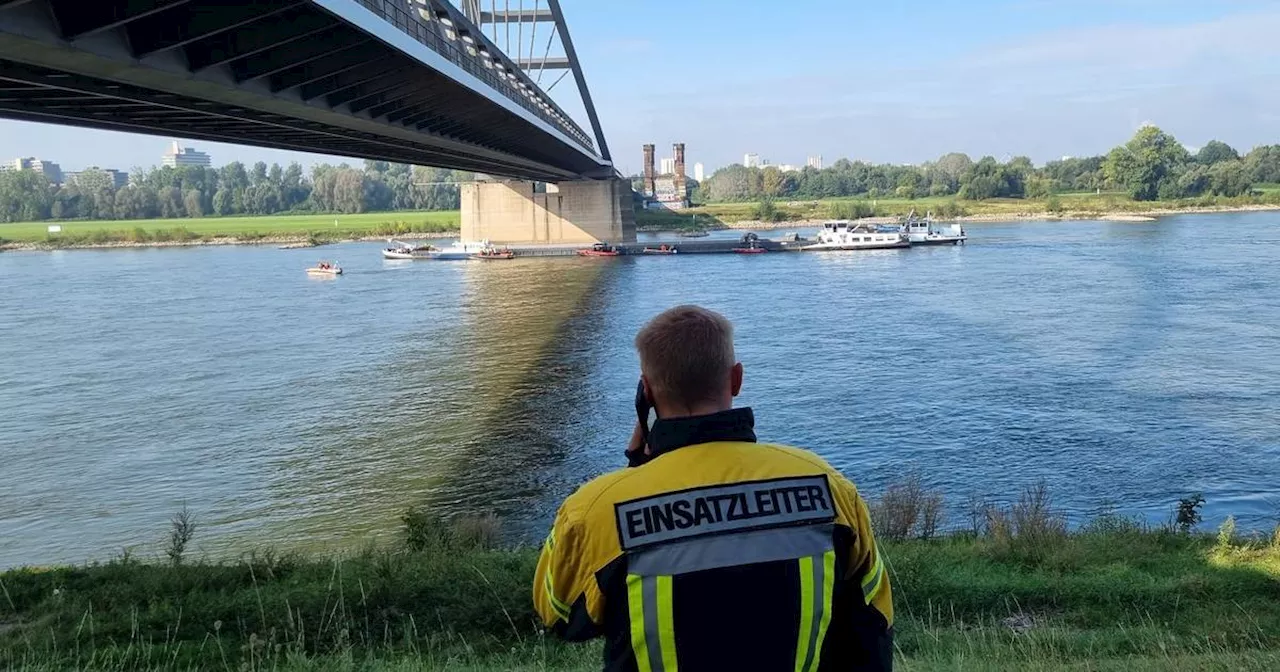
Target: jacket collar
735	424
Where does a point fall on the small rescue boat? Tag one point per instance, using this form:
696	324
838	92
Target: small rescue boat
661	249
325	268
599	250
750	245
491	254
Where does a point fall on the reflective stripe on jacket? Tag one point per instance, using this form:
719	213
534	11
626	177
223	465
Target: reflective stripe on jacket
723	554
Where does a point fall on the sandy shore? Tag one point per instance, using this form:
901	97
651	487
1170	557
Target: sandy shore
1120	216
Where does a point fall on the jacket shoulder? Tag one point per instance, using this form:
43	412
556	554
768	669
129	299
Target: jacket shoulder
802	456
577	505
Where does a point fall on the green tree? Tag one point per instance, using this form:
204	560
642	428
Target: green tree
1263	164
222	202
1229	178
25	196
1216	152
1140	165
770	181
193	203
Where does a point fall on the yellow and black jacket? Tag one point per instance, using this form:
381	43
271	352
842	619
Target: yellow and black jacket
720	553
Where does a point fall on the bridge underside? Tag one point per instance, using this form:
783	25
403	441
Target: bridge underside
286	74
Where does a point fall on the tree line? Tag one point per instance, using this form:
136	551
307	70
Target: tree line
233	189
1152	165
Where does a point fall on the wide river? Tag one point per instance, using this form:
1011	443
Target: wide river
1127	364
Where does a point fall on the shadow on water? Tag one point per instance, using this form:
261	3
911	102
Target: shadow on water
476	417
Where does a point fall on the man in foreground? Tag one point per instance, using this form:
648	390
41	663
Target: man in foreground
716	552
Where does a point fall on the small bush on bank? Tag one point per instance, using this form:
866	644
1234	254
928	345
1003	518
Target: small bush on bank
1187	514
425	531
907	509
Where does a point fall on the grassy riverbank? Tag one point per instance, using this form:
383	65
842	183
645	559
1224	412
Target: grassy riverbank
326	228
1022	594
281	227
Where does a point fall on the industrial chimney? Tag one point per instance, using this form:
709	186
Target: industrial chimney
649	188
678	150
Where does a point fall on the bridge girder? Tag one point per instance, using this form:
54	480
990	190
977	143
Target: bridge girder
279	73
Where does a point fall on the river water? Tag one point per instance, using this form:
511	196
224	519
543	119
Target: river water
1127	364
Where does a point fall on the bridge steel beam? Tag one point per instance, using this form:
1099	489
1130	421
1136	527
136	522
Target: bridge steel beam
275	31
183	24
77	19
404	95
365	85
285	76
331	43
336	63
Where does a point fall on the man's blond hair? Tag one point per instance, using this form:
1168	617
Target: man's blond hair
686	354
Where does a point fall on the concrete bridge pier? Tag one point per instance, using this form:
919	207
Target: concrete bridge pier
581	212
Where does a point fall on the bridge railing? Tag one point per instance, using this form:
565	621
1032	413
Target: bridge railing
430	33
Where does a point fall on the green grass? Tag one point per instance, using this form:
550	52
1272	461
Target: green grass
1113	597
300	226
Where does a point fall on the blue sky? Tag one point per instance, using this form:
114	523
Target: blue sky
879	81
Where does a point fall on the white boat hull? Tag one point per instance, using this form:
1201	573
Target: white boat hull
836	247
451	255
400	256
940	240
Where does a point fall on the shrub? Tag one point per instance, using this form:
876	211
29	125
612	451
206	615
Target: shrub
477	532
1027	531
424	531
1187	513
1226	533
1054	204
907	508
182	527
1108	522
767	211
951	208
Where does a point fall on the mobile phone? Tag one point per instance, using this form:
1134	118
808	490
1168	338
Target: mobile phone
643	410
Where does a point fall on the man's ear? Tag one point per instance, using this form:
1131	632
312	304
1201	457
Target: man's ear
735	379
648	393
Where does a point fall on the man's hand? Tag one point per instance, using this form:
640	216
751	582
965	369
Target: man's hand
636	448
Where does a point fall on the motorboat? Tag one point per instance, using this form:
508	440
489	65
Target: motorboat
325	268
661	249
403	251
923	231
842	235
750	244
493	253
599	250
696	233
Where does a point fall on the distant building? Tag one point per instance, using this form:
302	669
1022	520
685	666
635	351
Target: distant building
184	156
667	167
118	178
814	162
698	172
788	168
51	170
751	160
